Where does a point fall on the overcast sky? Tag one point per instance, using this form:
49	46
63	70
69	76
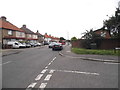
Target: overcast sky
60	18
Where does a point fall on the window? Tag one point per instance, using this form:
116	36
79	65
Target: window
10	32
103	34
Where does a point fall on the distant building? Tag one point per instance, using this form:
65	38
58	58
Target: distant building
47	38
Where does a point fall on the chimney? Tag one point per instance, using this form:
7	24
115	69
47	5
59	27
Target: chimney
37	31
3	18
24	26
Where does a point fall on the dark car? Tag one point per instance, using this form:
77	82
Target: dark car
57	46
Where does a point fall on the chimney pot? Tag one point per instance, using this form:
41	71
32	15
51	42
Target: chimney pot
3	18
24	26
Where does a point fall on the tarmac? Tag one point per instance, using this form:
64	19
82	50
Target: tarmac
66	52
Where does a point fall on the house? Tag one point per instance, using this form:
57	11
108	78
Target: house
47	38
10	32
30	35
40	37
103	33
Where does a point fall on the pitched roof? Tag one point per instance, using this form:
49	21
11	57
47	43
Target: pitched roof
39	34
7	25
28	31
47	36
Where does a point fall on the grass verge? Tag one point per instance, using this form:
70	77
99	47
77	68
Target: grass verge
97	52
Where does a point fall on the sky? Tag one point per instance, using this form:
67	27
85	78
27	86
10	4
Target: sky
59	18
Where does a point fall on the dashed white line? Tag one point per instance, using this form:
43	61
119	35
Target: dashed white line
54	58
38	77
46	67
43	71
43	85
32	85
47	78
49	63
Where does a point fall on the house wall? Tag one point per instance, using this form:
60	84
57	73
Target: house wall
0	38
5	33
107	33
34	36
20	34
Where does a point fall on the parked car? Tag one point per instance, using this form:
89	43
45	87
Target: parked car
39	44
51	44
32	44
22	45
14	44
46	43
57	46
28	45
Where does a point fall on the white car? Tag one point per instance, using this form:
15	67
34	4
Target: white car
14	44
22	45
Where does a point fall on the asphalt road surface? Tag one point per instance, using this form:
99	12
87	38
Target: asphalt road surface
44	68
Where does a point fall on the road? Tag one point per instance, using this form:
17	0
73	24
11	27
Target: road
44	68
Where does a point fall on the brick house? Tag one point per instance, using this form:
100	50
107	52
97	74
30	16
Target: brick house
30	35
10	32
47	38
103	33
40	37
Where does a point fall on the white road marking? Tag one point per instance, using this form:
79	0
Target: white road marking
49	64
51	71
68	51
6	63
44	70
32	85
54	58
78	72
47	78
43	85
110	63
46	67
38	77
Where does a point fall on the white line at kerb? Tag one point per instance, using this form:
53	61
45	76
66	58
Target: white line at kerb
5	63
110	63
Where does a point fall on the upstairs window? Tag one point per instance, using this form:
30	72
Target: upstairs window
9	32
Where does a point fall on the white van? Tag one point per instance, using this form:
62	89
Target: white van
14	44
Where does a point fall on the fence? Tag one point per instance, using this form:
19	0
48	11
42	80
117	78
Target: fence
103	43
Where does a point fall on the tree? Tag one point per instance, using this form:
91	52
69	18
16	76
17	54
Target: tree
61	38
73	38
113	24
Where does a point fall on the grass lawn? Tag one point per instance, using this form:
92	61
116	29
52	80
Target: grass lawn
97	52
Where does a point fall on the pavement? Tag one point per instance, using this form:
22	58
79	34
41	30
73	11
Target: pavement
66	52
